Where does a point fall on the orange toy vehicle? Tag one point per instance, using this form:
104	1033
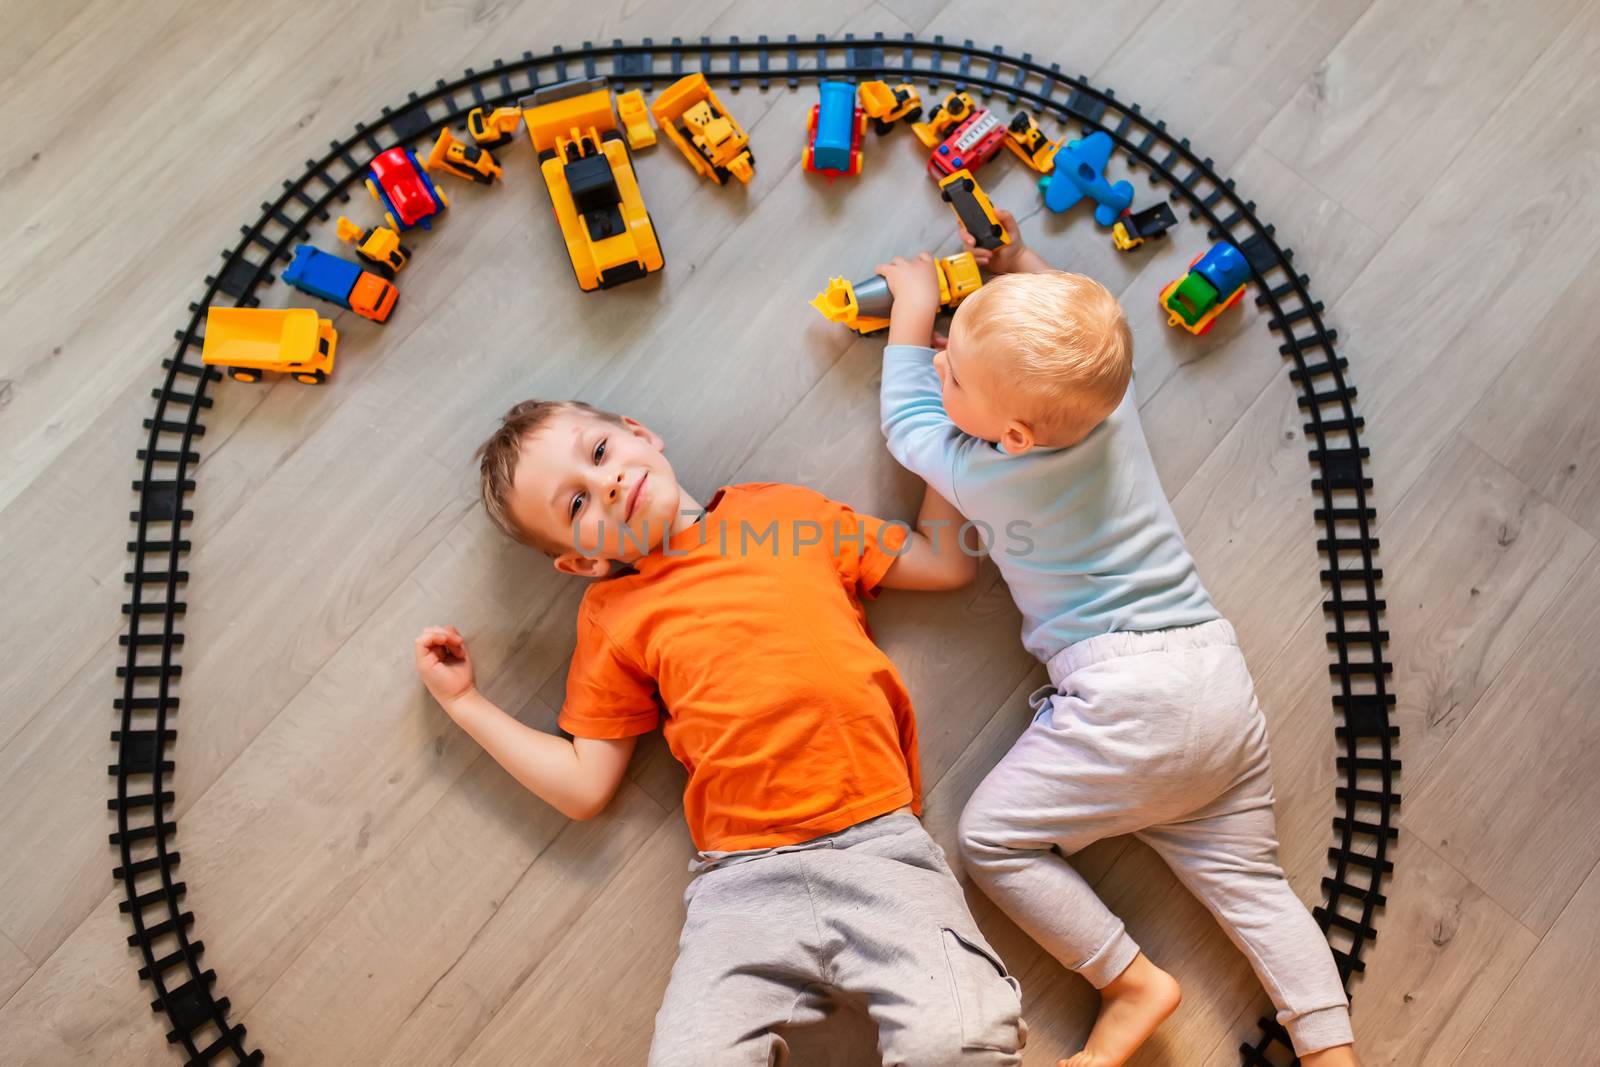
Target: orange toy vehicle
585	164
690	114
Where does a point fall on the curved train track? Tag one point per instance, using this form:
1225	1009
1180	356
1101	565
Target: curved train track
1365	801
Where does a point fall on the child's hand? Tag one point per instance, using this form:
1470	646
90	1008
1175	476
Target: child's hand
1005	259
914	282
444	665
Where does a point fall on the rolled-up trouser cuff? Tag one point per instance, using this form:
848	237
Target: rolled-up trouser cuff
1111	960
1320	1029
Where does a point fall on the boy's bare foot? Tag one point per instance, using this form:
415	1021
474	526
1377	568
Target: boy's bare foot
1131	1007
1338	1056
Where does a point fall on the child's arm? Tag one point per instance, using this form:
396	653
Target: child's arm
577	777
918	431
1013	258
934	556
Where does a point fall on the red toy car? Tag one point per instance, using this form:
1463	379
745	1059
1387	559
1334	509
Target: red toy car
401	187
969	146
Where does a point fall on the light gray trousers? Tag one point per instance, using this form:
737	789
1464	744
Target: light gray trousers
1157	735
775	938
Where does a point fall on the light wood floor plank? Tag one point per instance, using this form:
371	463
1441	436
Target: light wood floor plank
1403	93
1237	66
1512	800
1477	558
15	967
424	953
1548	1014
1539	418
1430	330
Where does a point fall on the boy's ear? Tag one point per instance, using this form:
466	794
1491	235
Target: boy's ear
640	430
582	566
1017	438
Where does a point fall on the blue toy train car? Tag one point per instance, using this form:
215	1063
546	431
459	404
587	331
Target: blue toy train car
835	131
339	281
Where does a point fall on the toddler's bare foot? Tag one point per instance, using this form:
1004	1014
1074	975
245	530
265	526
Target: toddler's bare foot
1338	1056
1131	1007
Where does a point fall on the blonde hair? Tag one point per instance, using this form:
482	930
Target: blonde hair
1063	342
497	462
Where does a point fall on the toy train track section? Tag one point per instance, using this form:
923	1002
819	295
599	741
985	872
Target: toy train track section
142	804
586	168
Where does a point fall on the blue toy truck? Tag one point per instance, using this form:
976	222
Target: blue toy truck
339	281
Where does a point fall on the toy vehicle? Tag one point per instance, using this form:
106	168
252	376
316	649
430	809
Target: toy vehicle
833	133
339	281
584	161
463	160
946	115
692	117
401	187
1028	142
494	129
970	146
971	205
250	341
635	119
1079	173
1195	300
1133	230
864	306
886	105
379	246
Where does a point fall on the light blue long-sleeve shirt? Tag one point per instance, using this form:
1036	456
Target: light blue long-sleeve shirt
1083	536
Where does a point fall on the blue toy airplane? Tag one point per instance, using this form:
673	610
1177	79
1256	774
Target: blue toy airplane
1079	172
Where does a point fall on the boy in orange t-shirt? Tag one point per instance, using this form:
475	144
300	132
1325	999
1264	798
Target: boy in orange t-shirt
739	627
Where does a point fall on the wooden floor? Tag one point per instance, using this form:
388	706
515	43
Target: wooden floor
371	890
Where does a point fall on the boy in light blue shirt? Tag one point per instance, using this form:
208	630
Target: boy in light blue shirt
1027	422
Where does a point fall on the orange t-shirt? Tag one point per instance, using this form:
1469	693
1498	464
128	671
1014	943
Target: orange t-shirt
746	634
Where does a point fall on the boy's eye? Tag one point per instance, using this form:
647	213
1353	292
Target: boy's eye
575	506
600	451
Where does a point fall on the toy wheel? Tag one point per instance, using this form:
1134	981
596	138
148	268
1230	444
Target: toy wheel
444	201
805	159
314	378
914	115
880	127
722	174
373	189
244	374
394	223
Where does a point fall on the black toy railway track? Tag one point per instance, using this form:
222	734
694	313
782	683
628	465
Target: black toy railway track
1366	801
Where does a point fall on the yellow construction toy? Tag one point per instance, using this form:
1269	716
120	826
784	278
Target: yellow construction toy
946	115
461	159
635	117
1028	142
586	168
973	207
887	104
494	129
249	341
713	142
379	246
864	306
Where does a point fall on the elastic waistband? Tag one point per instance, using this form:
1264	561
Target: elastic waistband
1102	647
880	826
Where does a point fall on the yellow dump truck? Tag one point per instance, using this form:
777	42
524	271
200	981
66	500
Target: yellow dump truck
250	341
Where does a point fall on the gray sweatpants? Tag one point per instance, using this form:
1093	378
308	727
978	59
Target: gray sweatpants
1157	735
774	938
